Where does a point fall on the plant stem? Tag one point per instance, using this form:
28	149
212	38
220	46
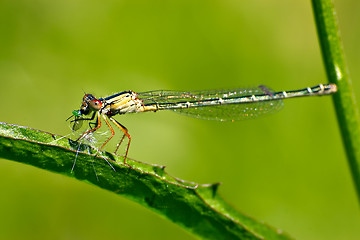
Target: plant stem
333	57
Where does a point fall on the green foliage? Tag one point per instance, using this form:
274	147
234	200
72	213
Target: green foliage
196	207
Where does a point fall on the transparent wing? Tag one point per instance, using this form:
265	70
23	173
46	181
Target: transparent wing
232	112
222	107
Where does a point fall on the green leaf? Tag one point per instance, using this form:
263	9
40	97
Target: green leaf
198	208
344	100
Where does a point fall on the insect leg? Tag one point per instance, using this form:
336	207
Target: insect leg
125	131
111	129
98	121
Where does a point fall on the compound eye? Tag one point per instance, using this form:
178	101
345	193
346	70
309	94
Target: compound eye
95	105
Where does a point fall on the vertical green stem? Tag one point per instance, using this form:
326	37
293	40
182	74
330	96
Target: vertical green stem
336	70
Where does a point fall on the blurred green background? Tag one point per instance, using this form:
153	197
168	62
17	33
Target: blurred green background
287	169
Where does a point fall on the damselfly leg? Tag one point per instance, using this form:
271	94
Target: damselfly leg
123	129
98	125
126	133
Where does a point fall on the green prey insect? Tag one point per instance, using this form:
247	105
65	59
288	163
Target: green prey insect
223	105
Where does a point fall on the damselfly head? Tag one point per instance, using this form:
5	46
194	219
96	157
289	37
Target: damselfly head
90	103
85	109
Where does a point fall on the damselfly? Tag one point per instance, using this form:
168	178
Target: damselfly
223	105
